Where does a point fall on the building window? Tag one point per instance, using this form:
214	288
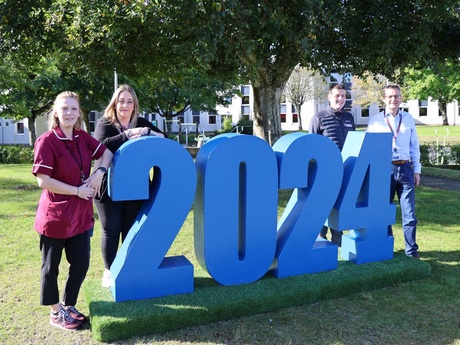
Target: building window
20	128
423	108
295	118
180	118
245	100
212	119
245	90
283	118
245	118
196	118
365	112
245	109
405	109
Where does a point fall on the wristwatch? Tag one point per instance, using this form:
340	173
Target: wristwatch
104	170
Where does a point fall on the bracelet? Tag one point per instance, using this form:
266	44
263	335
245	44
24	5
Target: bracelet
78	189
104	170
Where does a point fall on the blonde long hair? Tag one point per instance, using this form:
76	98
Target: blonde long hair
53	121
110	112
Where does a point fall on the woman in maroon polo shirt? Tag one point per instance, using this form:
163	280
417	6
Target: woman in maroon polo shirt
62	165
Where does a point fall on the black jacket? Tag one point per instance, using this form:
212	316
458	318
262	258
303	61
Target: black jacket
332	124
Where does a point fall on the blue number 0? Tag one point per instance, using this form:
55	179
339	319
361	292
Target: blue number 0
140	269
235	208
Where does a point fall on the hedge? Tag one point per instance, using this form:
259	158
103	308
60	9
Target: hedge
16	154
431	154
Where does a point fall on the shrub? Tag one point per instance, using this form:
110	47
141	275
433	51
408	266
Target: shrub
16	154
430	154
247	126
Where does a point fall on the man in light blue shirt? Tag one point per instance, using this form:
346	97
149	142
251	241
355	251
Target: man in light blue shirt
406	167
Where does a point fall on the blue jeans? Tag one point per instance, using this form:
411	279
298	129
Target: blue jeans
402	185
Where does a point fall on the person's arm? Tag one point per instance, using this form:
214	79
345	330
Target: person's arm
58	187
107	134
100	167
415	151
314	125
149	128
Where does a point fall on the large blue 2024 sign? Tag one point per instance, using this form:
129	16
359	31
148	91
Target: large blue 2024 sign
233	187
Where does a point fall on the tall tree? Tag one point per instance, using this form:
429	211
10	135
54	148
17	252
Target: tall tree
367	89
441	82
181	90
305	85
259	40
28	91
270	37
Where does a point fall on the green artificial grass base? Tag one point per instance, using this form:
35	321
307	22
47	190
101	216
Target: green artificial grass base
211	302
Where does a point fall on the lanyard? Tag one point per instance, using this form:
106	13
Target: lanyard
395	135
80	165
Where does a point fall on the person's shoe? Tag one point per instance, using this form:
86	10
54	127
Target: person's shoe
64	320
106	279
75	314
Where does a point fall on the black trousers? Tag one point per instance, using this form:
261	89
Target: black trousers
336	236
77	251
116	218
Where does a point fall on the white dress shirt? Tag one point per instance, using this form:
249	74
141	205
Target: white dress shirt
405	141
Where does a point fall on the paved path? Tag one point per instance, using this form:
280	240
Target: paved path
439	183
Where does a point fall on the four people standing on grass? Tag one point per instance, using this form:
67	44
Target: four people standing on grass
406	167
64	219
62	165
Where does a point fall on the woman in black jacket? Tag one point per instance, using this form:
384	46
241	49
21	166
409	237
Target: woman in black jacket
120	123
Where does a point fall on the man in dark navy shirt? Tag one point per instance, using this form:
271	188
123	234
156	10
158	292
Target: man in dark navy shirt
334	123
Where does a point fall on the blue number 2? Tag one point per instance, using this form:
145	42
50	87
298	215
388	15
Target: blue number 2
140	269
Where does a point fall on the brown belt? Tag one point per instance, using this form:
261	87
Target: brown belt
401	162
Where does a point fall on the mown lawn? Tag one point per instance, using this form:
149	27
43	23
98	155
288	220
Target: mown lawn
418	312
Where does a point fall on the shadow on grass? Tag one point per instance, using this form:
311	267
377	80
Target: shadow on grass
211	302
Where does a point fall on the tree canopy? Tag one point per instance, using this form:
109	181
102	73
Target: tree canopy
260	41
440	82
305	85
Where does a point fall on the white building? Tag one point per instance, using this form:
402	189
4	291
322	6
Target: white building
424	112
241	108
14	132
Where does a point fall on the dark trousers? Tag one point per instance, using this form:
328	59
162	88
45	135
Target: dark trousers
336	236
77	251
116	218
402	185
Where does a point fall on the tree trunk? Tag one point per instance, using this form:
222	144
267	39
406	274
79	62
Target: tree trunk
298	106
267	123
443	109
86	122
32	131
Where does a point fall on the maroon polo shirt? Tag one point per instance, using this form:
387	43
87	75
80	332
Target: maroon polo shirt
58	215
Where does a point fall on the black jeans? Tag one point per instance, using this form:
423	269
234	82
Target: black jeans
77	251
116	219
336	236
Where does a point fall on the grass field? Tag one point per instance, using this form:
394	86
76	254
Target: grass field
443	134
432	134
417	312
